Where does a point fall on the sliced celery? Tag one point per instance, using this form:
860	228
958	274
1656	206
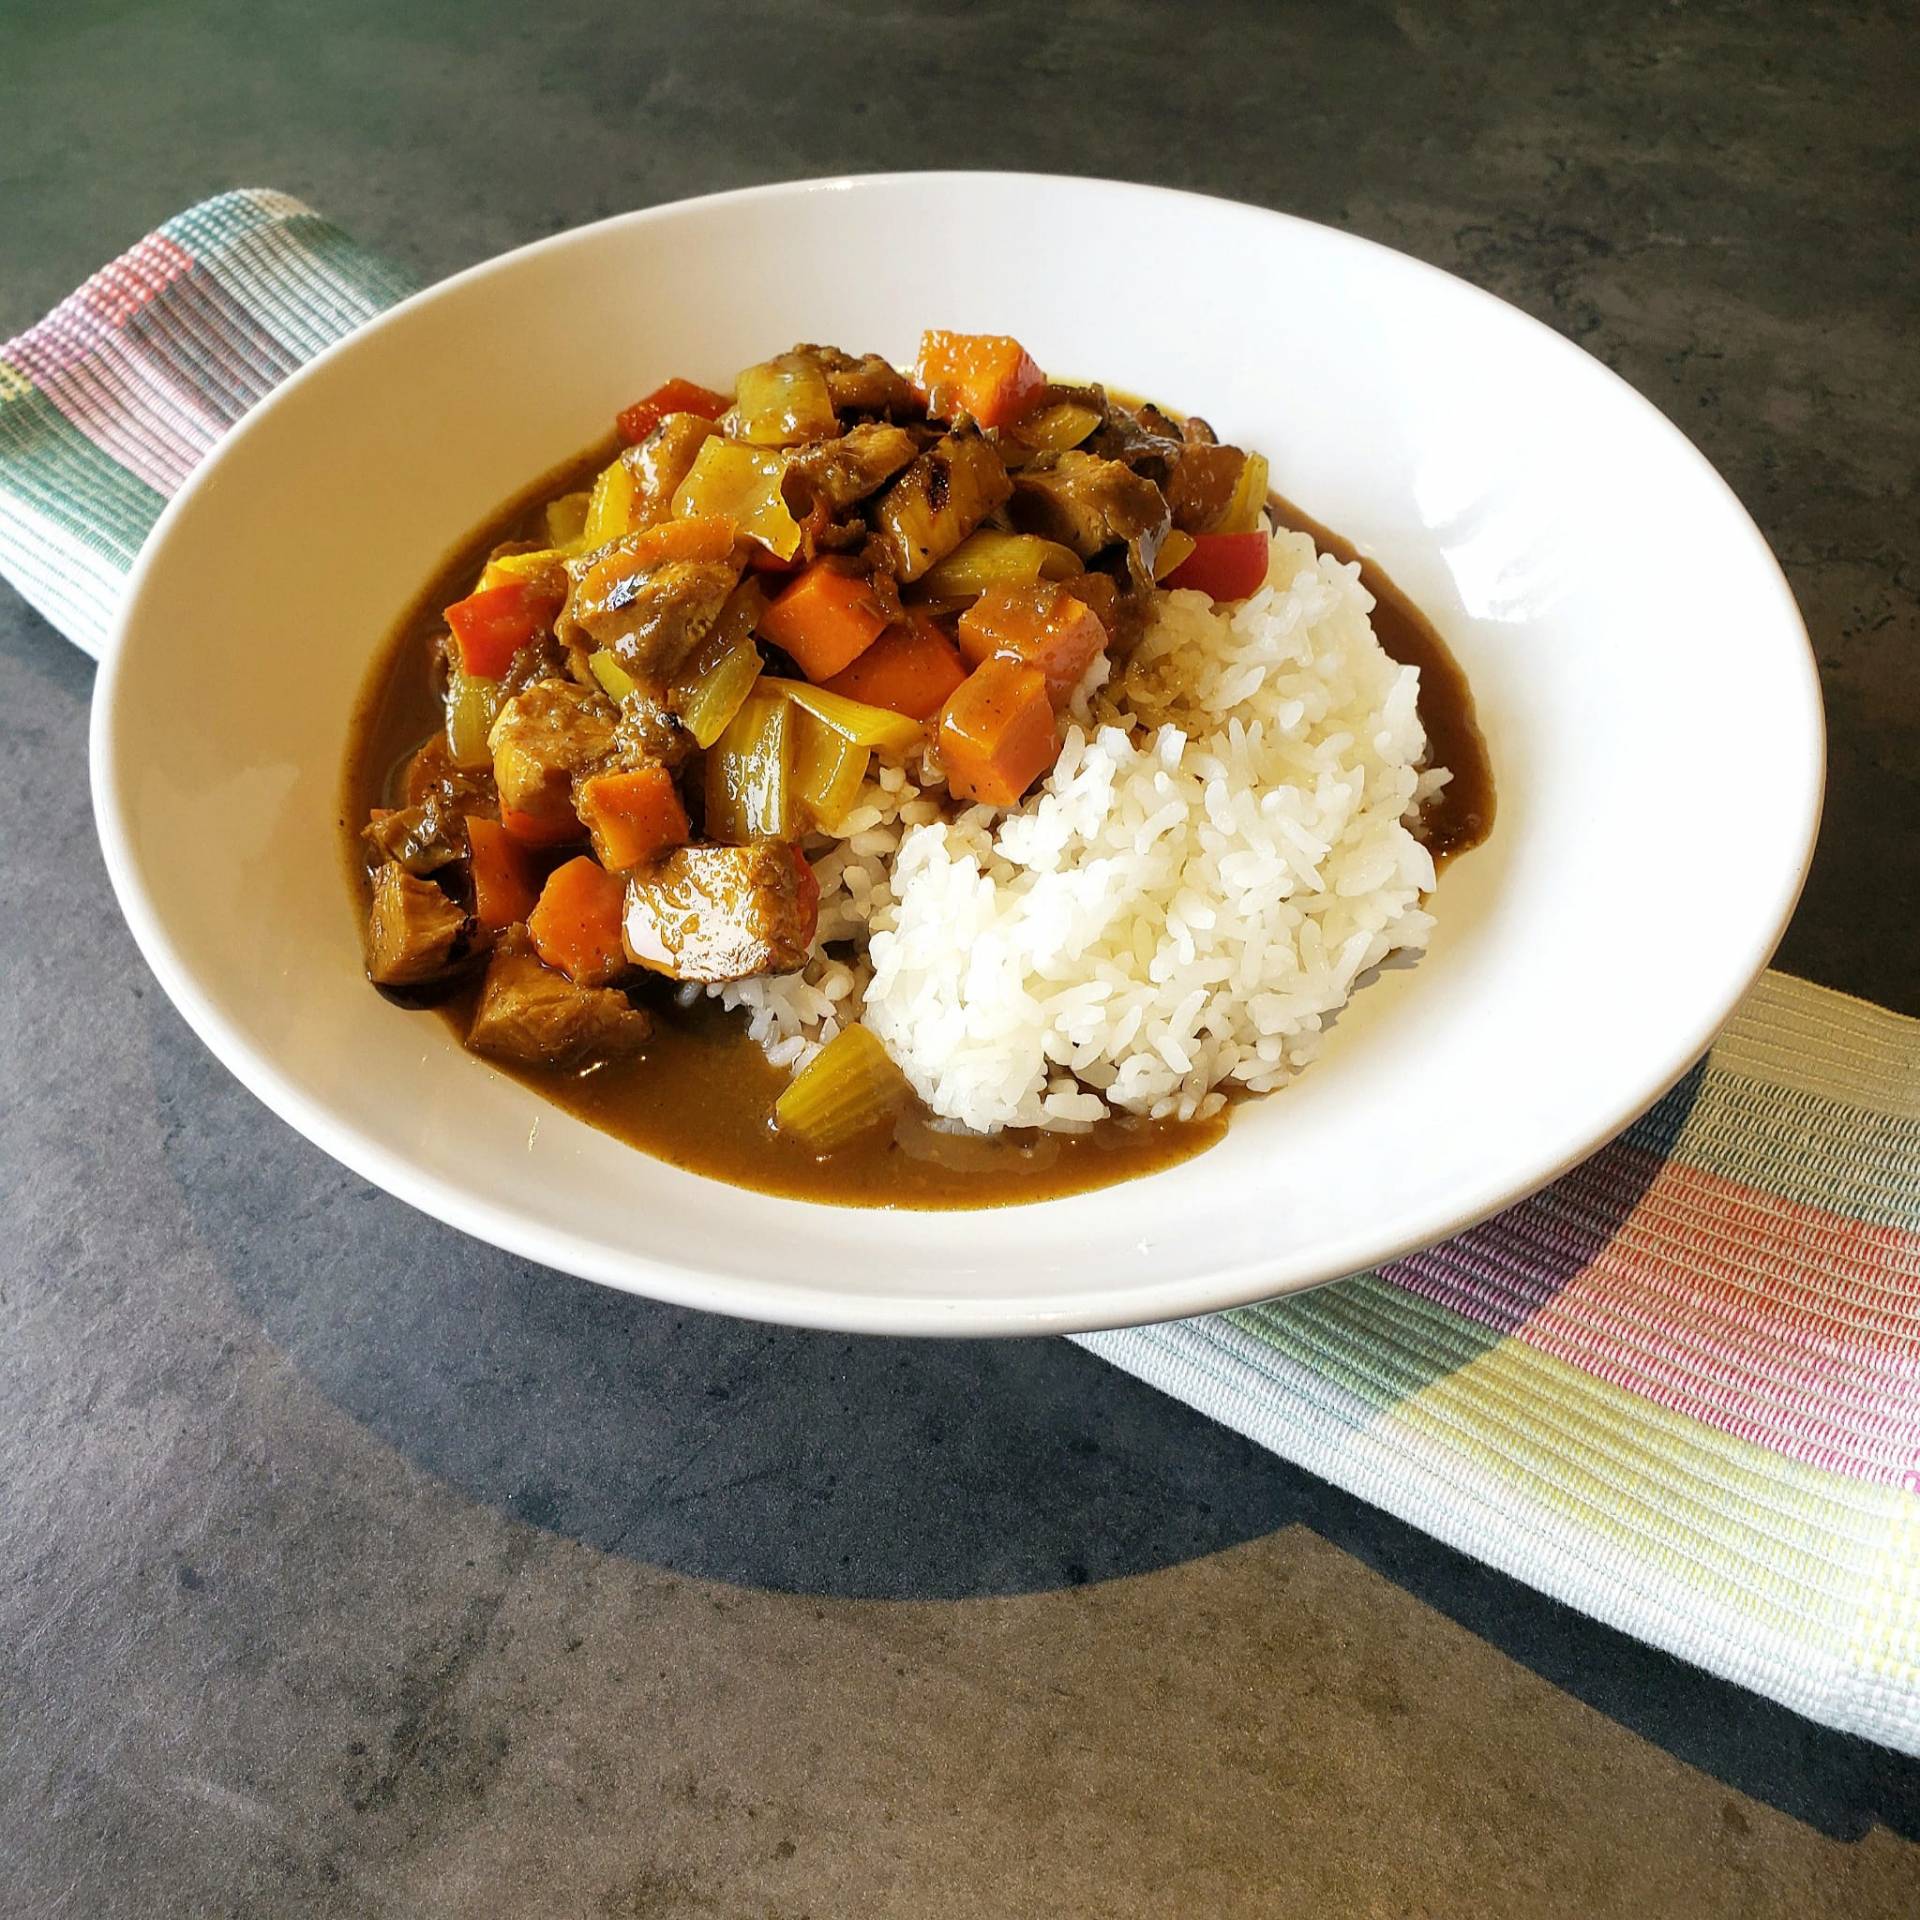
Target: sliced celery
743	484
865	726
1177	546
471	705
851	1087
711	688
567	519
1249	498
993	559
827	771
609	508
1054	429
546	565
749	775
615	681
783	402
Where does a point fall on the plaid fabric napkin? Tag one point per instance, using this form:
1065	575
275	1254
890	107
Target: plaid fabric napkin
1679	1390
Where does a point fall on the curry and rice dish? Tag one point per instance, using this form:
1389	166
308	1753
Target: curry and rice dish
930	789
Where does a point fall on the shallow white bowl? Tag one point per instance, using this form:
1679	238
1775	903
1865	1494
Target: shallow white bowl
1640	668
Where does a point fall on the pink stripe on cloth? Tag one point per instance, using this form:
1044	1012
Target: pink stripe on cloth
90	314
1775	1321
134	405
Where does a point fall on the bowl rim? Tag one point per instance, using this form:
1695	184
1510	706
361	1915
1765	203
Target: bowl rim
632	1270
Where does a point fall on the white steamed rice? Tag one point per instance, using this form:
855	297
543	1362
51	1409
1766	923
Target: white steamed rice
1222	850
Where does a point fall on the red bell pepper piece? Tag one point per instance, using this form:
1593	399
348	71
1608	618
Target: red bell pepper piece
491	627
634	423
1224	566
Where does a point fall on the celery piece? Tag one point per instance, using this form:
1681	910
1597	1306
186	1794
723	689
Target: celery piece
783	402
749	775
827	771
1177	546
850	1087
1249	500
615	681
743	484
711	687
1054	429
471	704
545	566
990	558
609	508
865	726
567	519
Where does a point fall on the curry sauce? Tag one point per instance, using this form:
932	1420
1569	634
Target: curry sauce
700	1094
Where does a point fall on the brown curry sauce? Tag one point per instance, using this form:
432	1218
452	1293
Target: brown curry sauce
701	1093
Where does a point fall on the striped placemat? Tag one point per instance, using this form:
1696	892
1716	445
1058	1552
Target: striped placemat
1679	1389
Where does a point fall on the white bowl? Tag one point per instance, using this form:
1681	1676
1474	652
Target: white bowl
1641	672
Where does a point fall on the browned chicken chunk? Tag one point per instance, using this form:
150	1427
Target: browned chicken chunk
543	737
414	932
724	913
422	839
1203	485
938	501
831	475
1088	504
539	1018
864	383
431	774
651	618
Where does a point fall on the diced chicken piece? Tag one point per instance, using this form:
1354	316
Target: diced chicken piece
1202	485
724	913
542	738
538	1018
650	731
864	383
1088	503
938	501
1147	442
651	618
662	460
413	930
542	658
431	774
422	839
831	475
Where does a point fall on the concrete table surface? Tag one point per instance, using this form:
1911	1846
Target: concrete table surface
348	1567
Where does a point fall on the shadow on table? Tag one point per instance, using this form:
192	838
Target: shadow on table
844	1466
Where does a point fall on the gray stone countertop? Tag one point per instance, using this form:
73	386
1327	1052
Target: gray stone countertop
350	1567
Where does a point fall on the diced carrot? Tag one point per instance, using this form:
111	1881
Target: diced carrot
634	423
541	829
634	815
576	925
503	889
912	668
985	374
1040	626
825	620
491	627
996	735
